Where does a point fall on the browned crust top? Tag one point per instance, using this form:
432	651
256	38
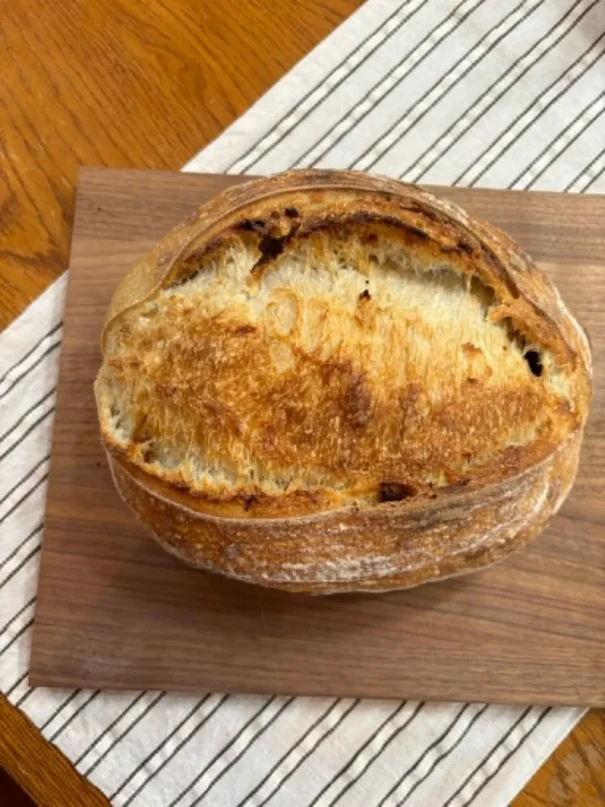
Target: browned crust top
308	210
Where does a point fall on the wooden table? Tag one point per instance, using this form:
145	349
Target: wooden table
147	85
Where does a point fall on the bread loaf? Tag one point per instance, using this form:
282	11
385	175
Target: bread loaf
326	381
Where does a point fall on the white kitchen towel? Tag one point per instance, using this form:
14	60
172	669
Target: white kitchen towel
507	94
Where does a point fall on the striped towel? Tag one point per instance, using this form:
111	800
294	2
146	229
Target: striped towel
504	95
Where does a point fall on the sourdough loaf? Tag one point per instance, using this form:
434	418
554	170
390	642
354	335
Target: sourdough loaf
327	381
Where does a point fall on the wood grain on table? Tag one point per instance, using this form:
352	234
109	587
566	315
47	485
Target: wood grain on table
126	84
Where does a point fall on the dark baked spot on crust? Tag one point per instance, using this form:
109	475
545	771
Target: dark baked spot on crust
185	278
191	266
464	246
242	330
249	500
417	231
291	212
532	357
252	225
365	295
271	247
390	490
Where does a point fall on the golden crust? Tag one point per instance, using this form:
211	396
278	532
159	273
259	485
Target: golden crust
394	545
331	467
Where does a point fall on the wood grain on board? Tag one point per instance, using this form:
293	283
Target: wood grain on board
114	610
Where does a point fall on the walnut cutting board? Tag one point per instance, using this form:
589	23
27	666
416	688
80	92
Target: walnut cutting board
114	610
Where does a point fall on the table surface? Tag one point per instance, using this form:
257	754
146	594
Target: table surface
124	84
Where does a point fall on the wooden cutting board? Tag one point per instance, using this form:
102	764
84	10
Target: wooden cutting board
114	610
